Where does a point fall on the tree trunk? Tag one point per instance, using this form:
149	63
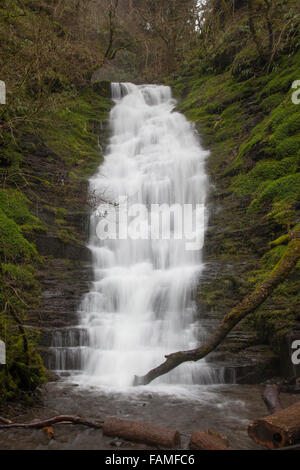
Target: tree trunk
140	432
248	305
277	430
271	398
208	440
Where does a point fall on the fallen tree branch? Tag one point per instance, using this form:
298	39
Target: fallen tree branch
65	419
248	305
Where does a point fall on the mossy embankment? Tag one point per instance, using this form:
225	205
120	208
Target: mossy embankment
43	207
251	126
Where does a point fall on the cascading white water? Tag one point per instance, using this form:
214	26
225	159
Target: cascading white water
140	304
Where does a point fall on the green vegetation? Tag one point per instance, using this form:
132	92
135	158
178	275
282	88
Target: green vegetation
71	131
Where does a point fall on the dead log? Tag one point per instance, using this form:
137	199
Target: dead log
140	432
271	398
248	305
66	419
278	430
208	440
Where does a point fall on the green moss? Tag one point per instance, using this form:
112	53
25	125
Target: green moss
271	102
49	129
271	258
264	172
256	142
13	246
285	121
19	290
245	63
284	191
282	77
18	378
24	370
10	154
22	274
289	146
278	314
281	240
15	205
72	133
273	325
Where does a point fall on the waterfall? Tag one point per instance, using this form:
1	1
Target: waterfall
140	305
